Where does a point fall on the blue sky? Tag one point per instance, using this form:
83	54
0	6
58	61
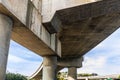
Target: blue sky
104	59
21	60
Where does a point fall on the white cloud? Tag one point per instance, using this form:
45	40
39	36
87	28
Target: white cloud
94	62
17	49
15	59
17	64
91	64
21	60
105	58
25	64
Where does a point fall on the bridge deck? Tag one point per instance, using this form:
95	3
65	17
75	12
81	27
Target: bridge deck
83	27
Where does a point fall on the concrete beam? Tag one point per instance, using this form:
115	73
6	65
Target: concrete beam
5	34
34	23
54	25
78	12
19	10
70	62
84	23
28	29
91	10
49	7
26	38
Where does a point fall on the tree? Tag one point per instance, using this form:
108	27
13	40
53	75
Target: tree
119	77
94	74
12	76
59	76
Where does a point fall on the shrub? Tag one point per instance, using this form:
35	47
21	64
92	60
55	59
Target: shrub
12	76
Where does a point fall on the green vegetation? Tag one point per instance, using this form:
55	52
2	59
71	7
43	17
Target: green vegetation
12	76
119	77
60	76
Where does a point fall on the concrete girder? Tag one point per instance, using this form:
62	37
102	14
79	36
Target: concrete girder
83	12
52	22
70	62
87	11
49	7
83	27
28	29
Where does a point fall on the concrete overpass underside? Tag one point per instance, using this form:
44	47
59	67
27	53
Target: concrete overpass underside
83	27
62	36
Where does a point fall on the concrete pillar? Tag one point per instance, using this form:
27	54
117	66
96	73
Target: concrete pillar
72	73
86	78
5	32
49	67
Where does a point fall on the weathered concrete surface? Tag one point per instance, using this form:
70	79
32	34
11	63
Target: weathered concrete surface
82	27
17	8
72	73
5	34
78	29
28	30
49	67
37	4
70	62
85	26
61	63
49	7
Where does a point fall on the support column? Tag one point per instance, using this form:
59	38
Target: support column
49	67
72	73
5	33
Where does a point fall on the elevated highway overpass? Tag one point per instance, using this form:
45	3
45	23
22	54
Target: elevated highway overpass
60	33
